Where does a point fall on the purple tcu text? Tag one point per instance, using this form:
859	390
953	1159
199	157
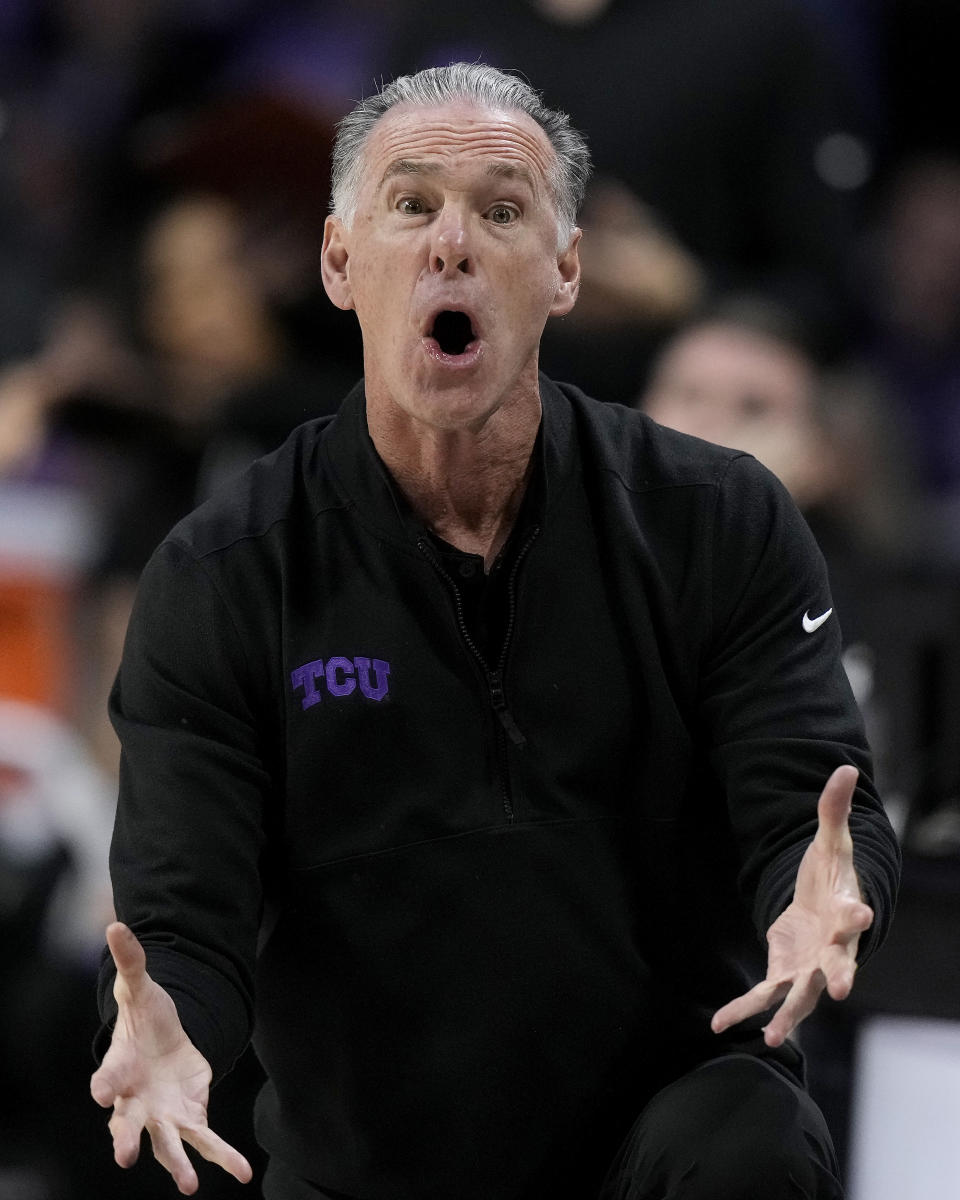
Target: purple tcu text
341	677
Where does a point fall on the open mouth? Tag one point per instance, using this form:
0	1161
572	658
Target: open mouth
452	331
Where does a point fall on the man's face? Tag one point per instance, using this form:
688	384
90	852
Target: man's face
451	261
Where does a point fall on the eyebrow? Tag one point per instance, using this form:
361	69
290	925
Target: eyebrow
409	166
496	170
511	170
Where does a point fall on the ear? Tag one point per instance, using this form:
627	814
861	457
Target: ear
568	267
334	262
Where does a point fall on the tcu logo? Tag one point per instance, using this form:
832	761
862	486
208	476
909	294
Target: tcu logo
341	677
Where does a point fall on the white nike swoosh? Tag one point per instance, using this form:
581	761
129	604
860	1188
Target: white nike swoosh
812	623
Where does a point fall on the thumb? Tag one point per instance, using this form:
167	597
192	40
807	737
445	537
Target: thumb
128	957
833	808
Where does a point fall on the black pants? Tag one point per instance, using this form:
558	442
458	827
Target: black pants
733	1129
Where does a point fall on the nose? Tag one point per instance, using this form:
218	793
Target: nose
449	251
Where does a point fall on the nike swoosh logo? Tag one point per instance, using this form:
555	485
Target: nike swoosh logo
812	623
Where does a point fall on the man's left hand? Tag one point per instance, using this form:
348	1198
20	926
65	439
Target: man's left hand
813	943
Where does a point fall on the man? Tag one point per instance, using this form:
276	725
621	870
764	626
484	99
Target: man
472	739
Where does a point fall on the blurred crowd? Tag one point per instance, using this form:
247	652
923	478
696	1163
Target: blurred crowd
771	261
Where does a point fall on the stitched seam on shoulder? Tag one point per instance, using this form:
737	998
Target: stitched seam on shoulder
644	488
252	536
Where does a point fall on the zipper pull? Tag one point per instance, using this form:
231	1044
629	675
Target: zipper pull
504	714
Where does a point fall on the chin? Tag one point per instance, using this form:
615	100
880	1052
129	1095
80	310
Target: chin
453	410
452	400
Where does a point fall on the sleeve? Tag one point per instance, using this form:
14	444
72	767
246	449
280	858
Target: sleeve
778	709
189	831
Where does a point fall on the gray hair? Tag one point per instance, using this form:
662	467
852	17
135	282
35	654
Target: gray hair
479	84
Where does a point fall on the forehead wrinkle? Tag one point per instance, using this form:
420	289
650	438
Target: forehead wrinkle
404	137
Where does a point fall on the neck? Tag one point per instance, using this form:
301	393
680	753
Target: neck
465	484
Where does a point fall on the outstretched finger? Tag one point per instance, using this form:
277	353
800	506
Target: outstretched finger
126	1125
833	808
761	997
215	1150
169	1152
799	1003
839	965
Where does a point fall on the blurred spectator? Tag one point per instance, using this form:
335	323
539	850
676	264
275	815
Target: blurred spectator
742	375
729	131
237	243
734	378
209	331
230	380
267	154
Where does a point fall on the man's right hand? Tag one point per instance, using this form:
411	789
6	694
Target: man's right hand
154	1077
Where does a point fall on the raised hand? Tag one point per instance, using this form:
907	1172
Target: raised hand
154	1077
813	943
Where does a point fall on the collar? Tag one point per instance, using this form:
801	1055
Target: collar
363	480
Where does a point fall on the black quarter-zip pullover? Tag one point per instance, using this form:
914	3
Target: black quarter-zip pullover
476	887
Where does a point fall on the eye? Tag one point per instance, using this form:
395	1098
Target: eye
411	206
502	214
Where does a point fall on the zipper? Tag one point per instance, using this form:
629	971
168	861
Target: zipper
512	598
494	678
